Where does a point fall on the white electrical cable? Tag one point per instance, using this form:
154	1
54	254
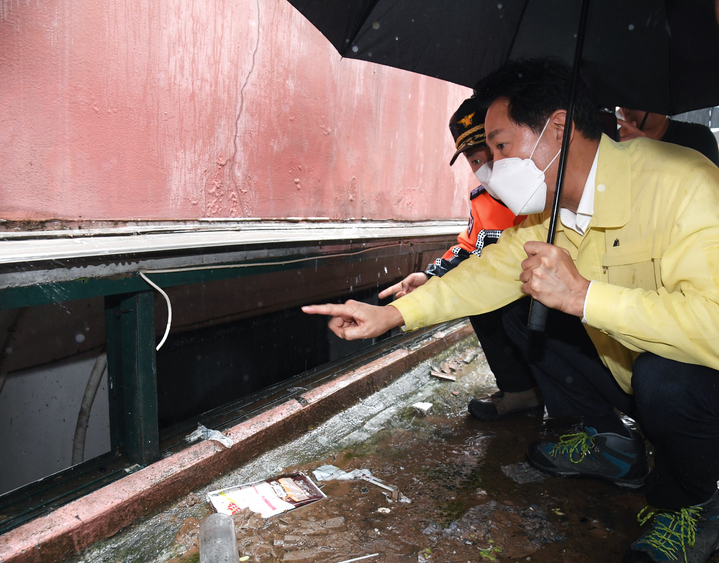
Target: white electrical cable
255	264
169	309
88	398
248	265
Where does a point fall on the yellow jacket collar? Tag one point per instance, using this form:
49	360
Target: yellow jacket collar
612	196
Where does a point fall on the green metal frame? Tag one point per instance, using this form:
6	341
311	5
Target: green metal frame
130	336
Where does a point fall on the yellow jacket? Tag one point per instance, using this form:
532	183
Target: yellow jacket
651	249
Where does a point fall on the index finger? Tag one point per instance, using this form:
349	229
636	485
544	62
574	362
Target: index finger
326	309
391	290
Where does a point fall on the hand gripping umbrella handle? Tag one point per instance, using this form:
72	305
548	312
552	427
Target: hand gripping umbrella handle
537	312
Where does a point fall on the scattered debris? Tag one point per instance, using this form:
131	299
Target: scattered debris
330	472
422	409
523	473
470	356
432	529
192	499
337	522
442	375
269	497
394	491
383	510
304	555
448	367
206	434
455	393
217	539
359	558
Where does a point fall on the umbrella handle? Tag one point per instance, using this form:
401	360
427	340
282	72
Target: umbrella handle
537	316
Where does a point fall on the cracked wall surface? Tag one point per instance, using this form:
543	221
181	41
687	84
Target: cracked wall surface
181	110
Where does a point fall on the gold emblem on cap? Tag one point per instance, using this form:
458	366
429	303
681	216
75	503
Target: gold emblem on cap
467	121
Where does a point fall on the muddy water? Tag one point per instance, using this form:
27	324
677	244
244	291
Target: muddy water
473	498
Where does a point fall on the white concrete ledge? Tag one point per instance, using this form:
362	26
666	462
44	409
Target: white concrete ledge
33	246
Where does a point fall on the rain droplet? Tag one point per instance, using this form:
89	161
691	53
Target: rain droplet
499	6
396	38
369	54
355	48
631	27
79	337
375	25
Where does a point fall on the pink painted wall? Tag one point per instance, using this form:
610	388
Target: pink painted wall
185	109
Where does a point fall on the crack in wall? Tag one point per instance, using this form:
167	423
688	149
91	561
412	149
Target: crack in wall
234	173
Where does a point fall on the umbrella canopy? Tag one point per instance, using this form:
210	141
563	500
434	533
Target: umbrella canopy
655	55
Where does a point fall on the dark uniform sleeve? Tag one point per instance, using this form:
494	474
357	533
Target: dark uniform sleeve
694	136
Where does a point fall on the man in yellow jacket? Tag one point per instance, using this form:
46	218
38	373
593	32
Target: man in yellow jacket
636	262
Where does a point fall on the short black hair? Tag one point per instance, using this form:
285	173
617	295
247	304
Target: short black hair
535	88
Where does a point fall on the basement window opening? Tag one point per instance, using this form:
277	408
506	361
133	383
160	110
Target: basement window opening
85	397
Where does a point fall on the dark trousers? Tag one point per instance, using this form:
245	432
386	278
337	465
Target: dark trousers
506	361
675	404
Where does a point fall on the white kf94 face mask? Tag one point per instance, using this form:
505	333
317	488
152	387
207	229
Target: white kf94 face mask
517	182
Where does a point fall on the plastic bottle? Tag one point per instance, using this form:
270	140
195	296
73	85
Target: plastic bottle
217	540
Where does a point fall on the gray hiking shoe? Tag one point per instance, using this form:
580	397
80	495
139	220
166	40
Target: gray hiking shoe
689	534
608	456
503	404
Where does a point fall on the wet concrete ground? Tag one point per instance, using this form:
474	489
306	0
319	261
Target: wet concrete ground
473	497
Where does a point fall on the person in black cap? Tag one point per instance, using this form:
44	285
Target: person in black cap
637	123
488	217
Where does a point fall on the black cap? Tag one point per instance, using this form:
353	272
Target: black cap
467	127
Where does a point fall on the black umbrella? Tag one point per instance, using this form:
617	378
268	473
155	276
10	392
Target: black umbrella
655	55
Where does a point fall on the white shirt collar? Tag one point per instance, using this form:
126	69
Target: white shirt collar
579	221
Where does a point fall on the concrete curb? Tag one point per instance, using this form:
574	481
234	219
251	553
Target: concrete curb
70	529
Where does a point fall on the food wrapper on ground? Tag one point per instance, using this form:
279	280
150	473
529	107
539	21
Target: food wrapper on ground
267	498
